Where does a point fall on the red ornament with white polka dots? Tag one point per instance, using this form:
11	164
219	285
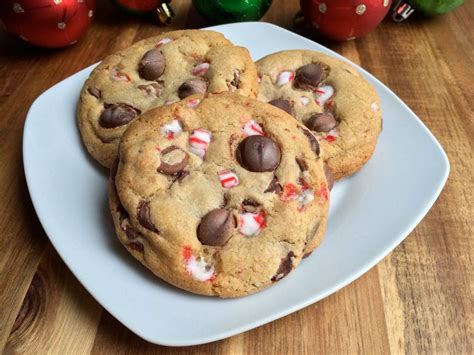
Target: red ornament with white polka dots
344	19
47	23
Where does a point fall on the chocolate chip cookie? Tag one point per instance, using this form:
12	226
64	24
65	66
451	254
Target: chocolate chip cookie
155	72
219	196
331	98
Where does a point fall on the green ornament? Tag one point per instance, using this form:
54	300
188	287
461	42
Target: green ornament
435	7
224	11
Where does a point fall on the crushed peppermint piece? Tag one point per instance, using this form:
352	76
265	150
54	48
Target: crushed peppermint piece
117	75
290	192
201	69
305	100
228	178
251	224
285	77
193	103
252	128
163	41
197	267
171	130
199	142
323	94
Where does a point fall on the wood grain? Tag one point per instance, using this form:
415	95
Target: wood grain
419	299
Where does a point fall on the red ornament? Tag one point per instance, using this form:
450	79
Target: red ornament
47	23
161	8
344	19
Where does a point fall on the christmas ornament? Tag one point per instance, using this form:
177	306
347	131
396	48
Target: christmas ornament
344	19
224	11
161	8
47	23
403	8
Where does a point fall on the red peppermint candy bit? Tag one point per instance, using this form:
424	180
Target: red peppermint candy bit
251	224
163	41
304	100
187	253
201	69
323	94
330	138
171	129
290	192
261	220
252	128
117	75
304	184
193	103
228	178
329	105
324	193
199	141
285	77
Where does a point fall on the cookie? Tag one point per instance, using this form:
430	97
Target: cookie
219	196
155	72
331	98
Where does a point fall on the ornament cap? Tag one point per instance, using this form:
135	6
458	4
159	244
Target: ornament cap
165	13
401	11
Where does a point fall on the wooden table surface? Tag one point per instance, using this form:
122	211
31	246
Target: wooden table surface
419	299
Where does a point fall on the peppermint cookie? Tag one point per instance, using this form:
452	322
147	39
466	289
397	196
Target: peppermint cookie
331	98
155	72
219	196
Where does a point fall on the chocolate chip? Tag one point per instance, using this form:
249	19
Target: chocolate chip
308	76
274	186
321	122
116	115
181	175
216	227
302	164
286	265
173	160
313	142
258	154
250	205
192	87
124	219
329	176
307	254
225	199
235	83
94	92
123	214
150	89
152	64
131	233
250	202
137	246
143	216
282	104
113	169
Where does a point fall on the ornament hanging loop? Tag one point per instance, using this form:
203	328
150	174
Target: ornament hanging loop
401	11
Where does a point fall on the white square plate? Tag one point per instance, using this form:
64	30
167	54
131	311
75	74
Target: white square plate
371	213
